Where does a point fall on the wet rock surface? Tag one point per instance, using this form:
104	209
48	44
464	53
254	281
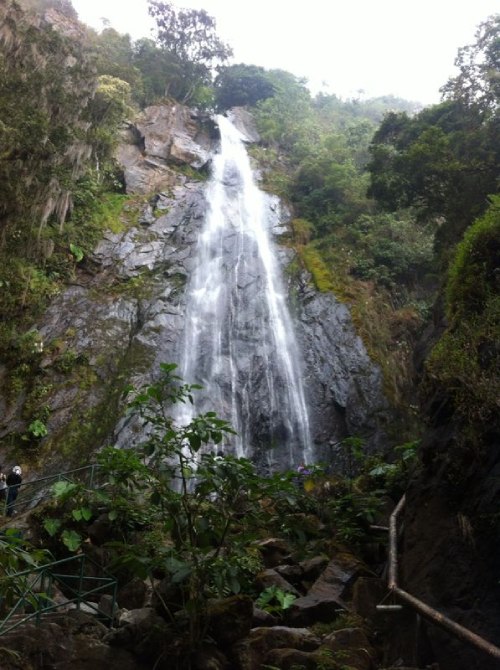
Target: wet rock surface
344	386
175	133
244	121
124	314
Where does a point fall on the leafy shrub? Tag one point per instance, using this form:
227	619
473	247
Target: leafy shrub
16	555
275	600
472	279
197	513
390	248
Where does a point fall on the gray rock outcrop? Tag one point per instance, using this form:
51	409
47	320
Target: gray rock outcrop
344	386
162	136
245	122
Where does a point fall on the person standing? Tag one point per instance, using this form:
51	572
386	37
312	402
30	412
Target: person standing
3	490
14	479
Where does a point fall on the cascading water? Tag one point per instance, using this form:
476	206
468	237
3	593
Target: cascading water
239	342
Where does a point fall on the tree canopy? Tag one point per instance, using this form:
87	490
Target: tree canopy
445	160
189	37
478	81
239	85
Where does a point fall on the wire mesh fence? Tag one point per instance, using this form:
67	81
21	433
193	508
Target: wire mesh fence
71	583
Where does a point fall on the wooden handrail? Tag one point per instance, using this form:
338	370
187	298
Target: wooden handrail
393	544
425	610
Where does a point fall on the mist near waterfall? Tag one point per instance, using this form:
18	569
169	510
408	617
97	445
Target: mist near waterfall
239	341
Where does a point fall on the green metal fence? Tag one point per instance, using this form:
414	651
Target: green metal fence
60	585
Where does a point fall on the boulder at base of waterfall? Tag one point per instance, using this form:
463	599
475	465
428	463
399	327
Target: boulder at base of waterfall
134	594
351	646
107	605
230	619
313	568
263	618
340	575
167	594
328	596
274	551
208	658
305	573
292	573
251	653
142	616
368	592
142	632
314	608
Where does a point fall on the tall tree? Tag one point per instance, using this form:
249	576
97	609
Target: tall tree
478	81
239	85
285	119
190	37
157	68
114	56
446	159
108	108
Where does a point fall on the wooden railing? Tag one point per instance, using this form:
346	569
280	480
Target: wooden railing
427	612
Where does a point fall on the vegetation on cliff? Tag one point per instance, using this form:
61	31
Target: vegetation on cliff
463	367
200	529
382	202
379	201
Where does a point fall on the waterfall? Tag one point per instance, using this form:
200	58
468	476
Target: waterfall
239	339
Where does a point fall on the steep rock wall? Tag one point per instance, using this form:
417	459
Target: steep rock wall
451	536
124	315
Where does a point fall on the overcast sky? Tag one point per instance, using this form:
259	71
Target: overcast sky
398	47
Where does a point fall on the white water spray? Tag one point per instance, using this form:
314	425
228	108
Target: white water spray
239	341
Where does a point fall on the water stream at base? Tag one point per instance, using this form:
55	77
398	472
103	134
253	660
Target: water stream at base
239	339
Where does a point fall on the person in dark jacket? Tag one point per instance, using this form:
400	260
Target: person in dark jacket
3	490
13	481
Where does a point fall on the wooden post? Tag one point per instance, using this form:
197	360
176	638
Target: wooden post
393	544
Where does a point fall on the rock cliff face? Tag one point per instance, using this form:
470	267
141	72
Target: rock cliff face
344	385
125	313
163	135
